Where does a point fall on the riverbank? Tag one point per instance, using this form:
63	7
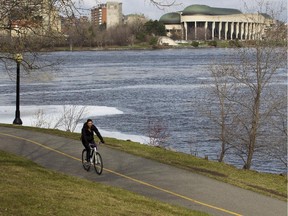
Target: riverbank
181	45
269	184
146	46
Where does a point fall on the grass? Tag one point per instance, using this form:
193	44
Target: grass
28	189
268	184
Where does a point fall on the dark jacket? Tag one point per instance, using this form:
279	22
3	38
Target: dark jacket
87	136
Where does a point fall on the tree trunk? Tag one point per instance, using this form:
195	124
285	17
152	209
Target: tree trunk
254	126
223	137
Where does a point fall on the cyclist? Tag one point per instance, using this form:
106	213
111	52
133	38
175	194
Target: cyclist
87	136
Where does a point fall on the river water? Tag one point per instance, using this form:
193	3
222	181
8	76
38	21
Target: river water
165	86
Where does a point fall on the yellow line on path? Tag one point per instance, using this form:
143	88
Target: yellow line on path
127	177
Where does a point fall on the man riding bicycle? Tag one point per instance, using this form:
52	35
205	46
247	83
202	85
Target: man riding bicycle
87	136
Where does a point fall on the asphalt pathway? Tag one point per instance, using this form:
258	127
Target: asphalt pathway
140	175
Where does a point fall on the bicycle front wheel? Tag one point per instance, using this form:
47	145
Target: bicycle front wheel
98	163
85	164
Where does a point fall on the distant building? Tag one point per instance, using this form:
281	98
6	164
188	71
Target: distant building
109	14
135	19
30	17
201	22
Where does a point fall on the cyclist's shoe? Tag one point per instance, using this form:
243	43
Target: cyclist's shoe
86	163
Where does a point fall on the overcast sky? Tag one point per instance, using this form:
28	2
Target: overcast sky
151	11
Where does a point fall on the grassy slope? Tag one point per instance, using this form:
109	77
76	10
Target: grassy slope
28	189
268	184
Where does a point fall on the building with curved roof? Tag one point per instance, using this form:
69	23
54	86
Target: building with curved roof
172	22
201	22
171	18
206	10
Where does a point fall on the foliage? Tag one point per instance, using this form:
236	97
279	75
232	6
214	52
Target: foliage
153	41
212	43
155	28
235	43
84	34
141	36
195	43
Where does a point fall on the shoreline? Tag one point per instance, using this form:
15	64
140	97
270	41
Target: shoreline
136	48
232	44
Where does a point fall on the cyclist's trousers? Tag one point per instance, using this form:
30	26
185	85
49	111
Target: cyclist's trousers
87	147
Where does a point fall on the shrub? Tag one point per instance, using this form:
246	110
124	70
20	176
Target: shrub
195	44
153	41
235	43
212	43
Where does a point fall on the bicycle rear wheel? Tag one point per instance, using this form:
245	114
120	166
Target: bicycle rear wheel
85	164
98	163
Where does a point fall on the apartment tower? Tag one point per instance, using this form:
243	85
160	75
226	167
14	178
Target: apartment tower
109	14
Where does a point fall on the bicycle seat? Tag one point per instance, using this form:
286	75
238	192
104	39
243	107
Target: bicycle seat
92	145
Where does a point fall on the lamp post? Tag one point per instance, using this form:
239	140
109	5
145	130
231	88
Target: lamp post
18	58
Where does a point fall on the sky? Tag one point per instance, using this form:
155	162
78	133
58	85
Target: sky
152	12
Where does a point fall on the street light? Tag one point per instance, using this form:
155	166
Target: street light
18	58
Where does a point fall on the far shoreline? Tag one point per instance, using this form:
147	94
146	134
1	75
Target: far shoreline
146	46
86	49
232	44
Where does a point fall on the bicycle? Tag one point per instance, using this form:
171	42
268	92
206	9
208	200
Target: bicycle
95	159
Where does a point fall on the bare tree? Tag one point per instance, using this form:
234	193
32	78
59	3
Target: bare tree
276	148
222	90
119	35
157	133
70	117
28	26
41	120
162	3
252	76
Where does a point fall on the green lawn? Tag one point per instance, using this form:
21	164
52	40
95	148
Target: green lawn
28	189
269	184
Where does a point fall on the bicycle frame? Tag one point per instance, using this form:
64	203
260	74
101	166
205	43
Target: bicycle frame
93	153
95	159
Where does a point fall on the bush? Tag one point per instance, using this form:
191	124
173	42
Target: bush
153	41
141	37
195	44
212	43
235	43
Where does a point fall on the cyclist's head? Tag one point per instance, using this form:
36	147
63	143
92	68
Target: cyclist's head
89	122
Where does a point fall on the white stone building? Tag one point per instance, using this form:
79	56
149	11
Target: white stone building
201	22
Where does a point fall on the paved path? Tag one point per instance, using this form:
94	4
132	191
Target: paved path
143	176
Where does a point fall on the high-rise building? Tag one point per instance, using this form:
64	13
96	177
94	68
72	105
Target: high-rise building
109	14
